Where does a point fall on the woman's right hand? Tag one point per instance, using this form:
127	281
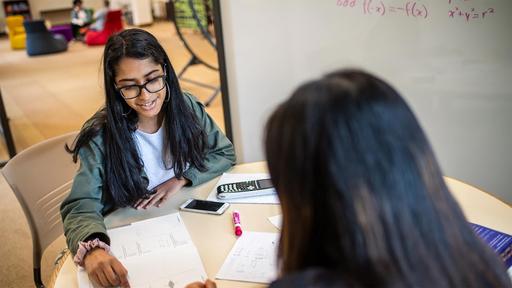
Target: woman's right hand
104	269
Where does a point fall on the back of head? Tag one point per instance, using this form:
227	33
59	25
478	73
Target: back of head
362	193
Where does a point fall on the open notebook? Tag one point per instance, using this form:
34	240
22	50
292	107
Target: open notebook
157	252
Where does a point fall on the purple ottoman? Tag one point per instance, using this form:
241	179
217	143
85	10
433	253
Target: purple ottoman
64	30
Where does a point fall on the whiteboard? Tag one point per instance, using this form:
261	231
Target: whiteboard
450	59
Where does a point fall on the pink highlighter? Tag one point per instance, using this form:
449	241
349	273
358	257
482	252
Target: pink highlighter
236	222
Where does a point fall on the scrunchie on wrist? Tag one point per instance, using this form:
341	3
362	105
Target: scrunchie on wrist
85	247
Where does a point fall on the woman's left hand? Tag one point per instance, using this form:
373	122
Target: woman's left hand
162	193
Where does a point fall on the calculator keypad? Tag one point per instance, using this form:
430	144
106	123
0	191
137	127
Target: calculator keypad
239	187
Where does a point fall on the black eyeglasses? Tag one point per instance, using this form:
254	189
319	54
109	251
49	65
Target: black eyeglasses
133	91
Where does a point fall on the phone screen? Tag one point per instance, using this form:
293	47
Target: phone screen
204	205
265	183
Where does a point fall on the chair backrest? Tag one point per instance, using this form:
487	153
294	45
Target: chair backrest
41	177
35	26
113	21
14	23
90	14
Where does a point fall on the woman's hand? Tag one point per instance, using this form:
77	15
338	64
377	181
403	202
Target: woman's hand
207	284
104	269
162	193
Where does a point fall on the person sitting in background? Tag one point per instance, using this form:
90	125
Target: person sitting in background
80	20
100	17
363	198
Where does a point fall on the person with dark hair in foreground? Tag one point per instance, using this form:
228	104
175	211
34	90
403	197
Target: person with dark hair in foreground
363	199
149	140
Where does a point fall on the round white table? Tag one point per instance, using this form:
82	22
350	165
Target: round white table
213	235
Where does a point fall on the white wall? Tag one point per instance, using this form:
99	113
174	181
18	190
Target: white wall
455	73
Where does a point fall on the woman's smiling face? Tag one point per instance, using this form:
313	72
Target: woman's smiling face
131	71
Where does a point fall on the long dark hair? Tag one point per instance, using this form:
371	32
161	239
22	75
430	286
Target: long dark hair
362	194
184	136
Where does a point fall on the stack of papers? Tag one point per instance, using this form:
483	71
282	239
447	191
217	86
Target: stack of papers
252	259
156	252
233	178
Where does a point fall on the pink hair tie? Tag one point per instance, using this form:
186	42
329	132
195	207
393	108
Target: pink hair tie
85	247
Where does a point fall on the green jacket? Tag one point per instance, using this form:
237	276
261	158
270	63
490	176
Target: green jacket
86	205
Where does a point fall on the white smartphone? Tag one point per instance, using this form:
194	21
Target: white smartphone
204	206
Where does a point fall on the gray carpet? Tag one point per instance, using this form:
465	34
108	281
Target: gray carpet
16	244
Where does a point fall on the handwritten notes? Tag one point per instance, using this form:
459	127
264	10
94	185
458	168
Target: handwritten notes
157	252
252	259
466	10
463	9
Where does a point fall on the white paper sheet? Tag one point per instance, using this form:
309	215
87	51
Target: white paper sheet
276	221
232	177
253	258
156	252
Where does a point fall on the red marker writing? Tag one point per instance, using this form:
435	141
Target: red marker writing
236	222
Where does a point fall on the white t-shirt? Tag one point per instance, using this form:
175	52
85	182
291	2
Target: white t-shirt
150	147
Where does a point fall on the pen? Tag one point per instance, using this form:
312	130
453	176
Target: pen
236	222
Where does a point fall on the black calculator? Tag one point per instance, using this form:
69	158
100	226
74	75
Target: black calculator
245	189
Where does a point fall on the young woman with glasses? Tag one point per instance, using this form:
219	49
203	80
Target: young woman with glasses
149	140
363	199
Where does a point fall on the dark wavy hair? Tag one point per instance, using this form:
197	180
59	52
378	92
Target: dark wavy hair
184	135
362	194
